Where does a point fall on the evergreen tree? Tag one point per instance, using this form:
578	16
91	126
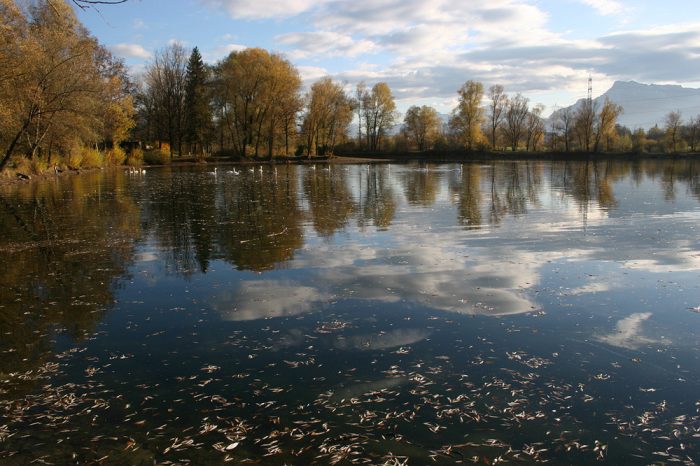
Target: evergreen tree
197	110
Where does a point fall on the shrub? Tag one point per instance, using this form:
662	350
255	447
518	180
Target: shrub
135	158
115	156
75	159
92	158
156	157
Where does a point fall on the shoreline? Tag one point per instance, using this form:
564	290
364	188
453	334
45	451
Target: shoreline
373	158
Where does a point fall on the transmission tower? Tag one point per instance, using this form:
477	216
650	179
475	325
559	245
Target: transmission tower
590	88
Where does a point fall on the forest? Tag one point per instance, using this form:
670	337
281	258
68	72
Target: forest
67	103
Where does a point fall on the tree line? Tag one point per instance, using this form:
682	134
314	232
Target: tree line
65	100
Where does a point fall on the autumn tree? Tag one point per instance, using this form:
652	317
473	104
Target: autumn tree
58	87
584	123
328	114
604	125
673	124
422	125
515	120
379	114
467	117
197	111
497	104
255	86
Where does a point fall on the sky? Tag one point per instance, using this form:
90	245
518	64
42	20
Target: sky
426	49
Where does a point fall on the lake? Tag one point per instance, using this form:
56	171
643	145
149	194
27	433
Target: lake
517	312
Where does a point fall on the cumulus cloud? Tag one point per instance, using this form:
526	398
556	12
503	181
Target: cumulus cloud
130	51
324	44
222	51
426	50
604	7
255	9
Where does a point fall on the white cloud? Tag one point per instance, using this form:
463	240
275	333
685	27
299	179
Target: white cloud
605	7
311	73
324	44
222	51
130	51
256	9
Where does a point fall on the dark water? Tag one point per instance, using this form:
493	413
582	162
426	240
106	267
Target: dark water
517	312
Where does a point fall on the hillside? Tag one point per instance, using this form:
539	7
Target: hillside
648	104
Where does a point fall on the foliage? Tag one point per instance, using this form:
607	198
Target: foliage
378	114
197	112
328	115
422	126
58	86
467	117
157	157
135	158
115	156
258	100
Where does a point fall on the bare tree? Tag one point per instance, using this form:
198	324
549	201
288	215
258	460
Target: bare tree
497	104
379	112
166	81
515	120
535	127
673	125
692	132
565	124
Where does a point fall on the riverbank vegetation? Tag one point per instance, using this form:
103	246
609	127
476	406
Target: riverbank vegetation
66	102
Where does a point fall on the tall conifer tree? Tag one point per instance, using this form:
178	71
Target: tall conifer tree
197	110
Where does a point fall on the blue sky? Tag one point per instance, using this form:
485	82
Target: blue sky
425	49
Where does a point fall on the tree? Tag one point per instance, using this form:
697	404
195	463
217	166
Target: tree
166	82
379	113
673	124
515	120
692	132
497	104
468	115
197	111
565	124
422	125
535	128
328	115
360	93
58	87
584	121
259	94
605	124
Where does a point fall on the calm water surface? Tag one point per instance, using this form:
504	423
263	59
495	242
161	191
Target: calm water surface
522	312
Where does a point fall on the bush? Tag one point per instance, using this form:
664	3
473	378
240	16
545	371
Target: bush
75	159
92	158
156	157
115	156
135	158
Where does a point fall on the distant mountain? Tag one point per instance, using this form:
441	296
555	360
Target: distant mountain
646	105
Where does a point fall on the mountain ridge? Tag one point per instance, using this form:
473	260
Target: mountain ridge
646	105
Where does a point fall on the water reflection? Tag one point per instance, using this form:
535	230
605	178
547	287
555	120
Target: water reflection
67	246
271	314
